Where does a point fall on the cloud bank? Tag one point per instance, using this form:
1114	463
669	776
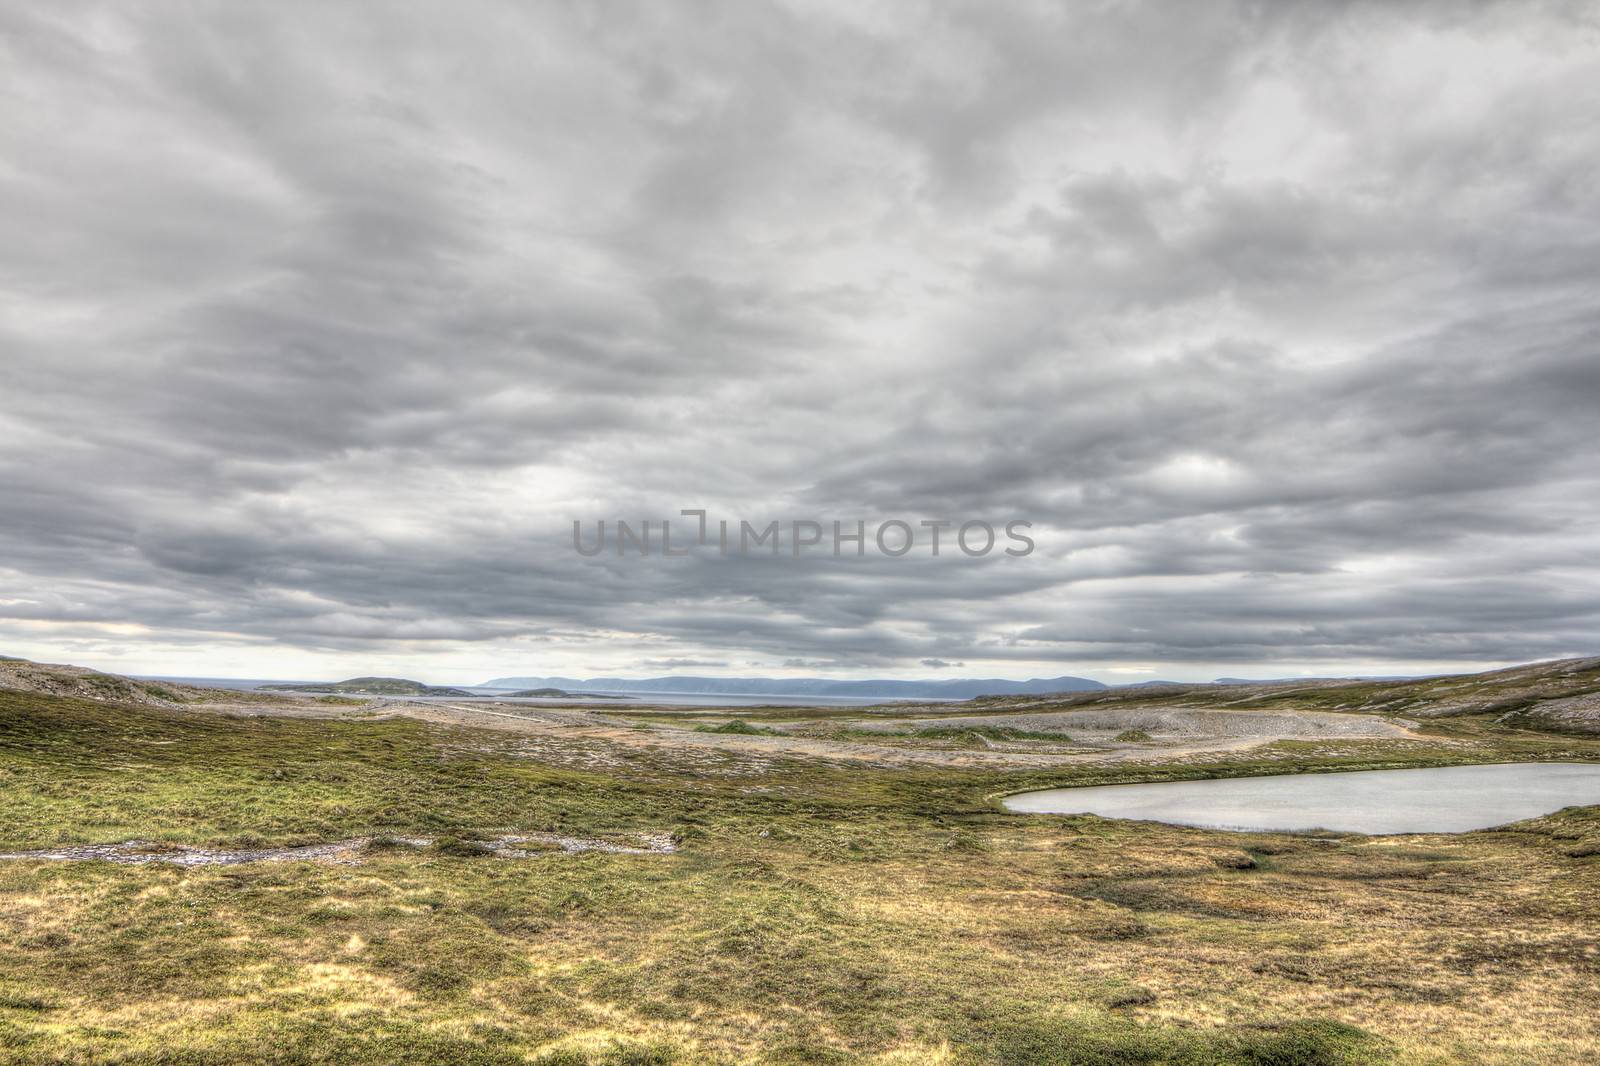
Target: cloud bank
318	330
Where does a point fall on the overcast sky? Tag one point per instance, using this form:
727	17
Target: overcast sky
320	324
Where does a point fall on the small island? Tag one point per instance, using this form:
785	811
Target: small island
372	686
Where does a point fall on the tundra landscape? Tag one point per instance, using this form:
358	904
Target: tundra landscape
800	533
349	879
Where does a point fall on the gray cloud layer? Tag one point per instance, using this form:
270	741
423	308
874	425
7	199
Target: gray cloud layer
318	328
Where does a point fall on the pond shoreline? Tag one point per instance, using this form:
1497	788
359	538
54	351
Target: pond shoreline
1374	801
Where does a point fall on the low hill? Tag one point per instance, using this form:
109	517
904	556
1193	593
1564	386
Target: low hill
57	679
1561	695
371	686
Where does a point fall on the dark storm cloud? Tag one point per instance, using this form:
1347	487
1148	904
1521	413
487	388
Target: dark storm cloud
319	329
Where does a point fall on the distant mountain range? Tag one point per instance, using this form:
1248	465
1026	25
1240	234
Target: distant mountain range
955	688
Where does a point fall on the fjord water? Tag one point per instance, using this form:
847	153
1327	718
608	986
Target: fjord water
1449	799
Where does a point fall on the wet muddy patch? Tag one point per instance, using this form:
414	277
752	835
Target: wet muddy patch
525	846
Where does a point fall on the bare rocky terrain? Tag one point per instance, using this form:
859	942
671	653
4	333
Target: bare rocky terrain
1570	714
54	679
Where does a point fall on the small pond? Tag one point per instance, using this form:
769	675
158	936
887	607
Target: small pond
1449	799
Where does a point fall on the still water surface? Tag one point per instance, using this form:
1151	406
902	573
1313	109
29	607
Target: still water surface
1449	799
636	699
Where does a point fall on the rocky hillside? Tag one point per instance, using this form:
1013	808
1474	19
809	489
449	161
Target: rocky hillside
1562	695
59	680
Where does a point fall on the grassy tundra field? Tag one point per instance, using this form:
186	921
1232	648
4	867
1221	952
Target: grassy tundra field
775	900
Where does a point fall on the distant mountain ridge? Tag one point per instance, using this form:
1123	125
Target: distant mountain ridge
954	688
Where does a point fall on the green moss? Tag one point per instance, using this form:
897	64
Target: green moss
1090	1040
739	728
